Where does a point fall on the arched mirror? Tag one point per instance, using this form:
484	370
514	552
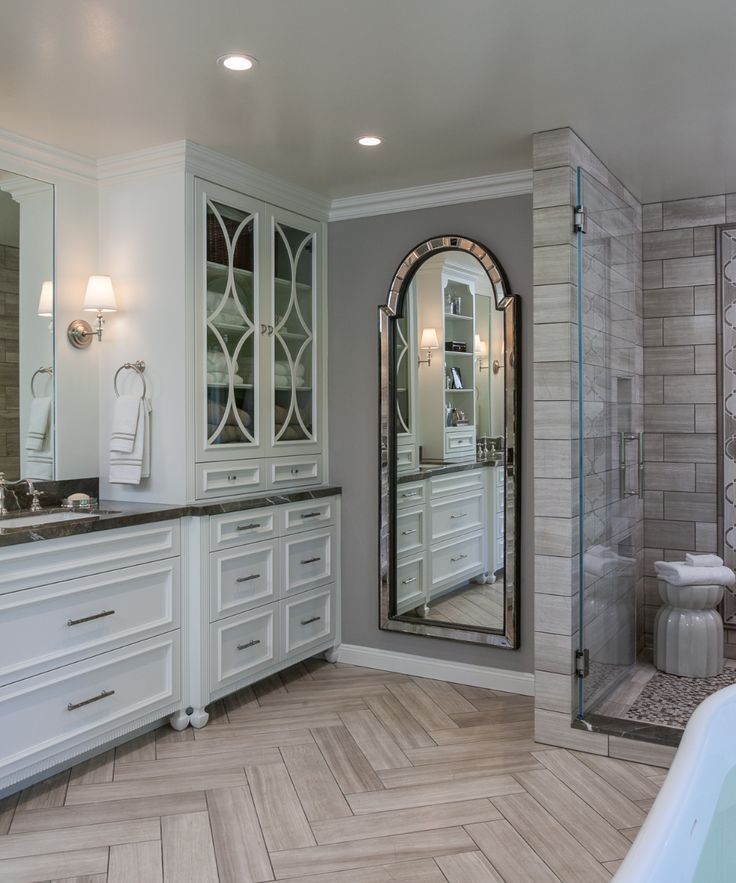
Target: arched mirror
449	515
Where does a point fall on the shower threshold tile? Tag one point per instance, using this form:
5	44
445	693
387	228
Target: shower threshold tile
630	729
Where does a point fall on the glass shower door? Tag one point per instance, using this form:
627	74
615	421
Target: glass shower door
610	454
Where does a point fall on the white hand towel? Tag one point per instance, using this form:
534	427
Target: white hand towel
677	573
40	465
38	423
703	560
130	468
124	423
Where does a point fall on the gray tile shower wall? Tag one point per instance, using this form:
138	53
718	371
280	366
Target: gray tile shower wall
681	501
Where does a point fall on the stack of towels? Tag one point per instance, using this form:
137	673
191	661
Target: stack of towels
130	440
282	372
229	314
40	455
218	369
230	432
293	431
696	570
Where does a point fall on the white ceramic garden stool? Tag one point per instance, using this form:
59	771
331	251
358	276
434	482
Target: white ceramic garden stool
688	631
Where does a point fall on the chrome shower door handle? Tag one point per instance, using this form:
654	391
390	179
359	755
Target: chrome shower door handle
624	438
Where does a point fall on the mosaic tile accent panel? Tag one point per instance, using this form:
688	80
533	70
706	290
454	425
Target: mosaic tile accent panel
669	701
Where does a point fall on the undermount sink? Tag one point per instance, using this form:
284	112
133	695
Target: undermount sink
35	519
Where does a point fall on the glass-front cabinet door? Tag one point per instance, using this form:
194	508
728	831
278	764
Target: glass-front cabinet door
293	330
228	327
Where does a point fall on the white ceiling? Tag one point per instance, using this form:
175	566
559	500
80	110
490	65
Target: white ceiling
456	88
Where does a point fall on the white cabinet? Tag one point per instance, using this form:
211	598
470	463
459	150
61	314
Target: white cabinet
260	358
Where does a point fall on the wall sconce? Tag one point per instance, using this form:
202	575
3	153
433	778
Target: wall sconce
428	342
46	301
497	366
99	298
481	350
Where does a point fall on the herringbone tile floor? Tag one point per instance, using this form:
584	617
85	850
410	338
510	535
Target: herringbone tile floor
330	774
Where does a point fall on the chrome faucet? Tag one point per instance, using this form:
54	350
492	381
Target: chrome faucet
5	484
35	504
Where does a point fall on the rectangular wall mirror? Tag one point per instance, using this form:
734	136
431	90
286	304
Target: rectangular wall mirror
26	328
449	410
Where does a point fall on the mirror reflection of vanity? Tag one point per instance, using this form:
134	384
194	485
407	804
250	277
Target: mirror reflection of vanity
26	327
449	428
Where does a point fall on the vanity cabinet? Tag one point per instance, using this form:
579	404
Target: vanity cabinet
260	356
90	643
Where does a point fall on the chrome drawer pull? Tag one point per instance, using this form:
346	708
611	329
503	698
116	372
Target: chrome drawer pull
99	615
295	471
72	706
252	526
249	644
406	533
310	560
458	558
406	582
311	619
413	494
247	579
461	515
311	514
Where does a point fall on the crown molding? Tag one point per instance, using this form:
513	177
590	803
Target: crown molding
409	199
26	156
21	187
138	163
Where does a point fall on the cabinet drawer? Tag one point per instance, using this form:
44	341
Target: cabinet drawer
229	479
410	494
460	443
406	458
308	560
307	515
49	626
456	516
452	562
242	578
456	483
38	564
59	709
242	644
410	584
306	620
409	531
237	528
295	471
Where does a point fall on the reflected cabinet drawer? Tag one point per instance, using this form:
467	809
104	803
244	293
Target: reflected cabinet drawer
457	483
457	560
242	578
308	560
406	458
295	471
459	442
73	703
410	584
241	645
457	516
237	528
409	531
230	479
410	494
307	515
307	619
48	626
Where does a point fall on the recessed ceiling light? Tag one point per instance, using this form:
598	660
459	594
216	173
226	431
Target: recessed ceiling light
237	62
369	141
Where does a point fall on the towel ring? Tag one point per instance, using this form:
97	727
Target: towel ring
49	371
139	367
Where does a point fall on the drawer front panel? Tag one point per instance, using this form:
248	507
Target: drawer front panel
410	584
460	444
242	578
307	620
457	516
456	483
411	494
61	708
38	564
295	471
406	458
241	645
48	626
230	478
307	515
308	560
238	528
453	561
409	531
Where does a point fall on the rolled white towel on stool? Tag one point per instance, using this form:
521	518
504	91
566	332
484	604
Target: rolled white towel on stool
703	560
677	573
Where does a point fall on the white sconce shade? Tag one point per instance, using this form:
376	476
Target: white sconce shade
429	339
46	301
481	347
99	297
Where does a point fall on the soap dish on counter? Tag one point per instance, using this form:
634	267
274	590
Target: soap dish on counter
80	503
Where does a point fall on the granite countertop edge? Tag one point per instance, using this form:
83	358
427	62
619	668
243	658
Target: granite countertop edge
125	514
430	469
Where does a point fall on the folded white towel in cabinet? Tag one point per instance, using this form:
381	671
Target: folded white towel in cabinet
678	573
38	423
130	467
124	423
222	377
703	560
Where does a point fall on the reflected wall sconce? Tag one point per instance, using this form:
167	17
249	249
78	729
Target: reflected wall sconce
428	342
481	350
46	301
497	366
99	298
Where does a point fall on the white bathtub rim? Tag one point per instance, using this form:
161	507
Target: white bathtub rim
667	848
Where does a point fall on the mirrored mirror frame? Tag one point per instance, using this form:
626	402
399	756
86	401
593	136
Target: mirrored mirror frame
508	636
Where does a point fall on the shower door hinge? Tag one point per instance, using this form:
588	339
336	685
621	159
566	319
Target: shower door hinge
579	219
582	662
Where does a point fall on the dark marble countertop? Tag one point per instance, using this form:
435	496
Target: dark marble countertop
114	513
428	470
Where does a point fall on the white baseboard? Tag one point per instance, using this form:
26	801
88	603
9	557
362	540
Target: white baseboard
438	669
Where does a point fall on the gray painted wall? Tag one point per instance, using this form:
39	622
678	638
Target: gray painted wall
364	254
